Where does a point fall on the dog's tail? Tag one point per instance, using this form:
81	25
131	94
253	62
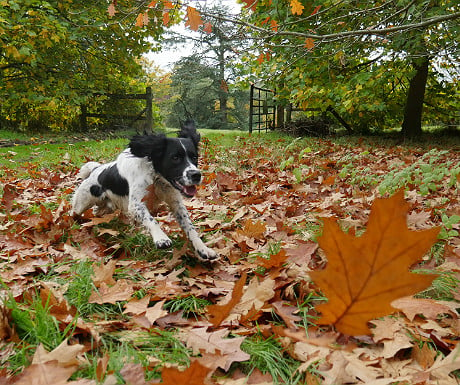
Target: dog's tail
87	169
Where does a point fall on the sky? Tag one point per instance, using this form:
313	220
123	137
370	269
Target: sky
167	57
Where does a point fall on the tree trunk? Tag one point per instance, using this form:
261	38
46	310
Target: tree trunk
412	124
223	91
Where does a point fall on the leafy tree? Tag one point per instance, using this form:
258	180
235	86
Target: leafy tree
54	54
371	60
209	74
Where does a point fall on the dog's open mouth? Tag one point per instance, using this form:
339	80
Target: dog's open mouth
188	191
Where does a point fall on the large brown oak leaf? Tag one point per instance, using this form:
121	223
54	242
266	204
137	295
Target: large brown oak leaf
365	274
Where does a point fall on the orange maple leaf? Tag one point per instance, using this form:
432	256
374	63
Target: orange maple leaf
207	27
140	20
310	44
218	313
193	18
296	7
365	274
274	260
251	4
253	229
166	18
194	375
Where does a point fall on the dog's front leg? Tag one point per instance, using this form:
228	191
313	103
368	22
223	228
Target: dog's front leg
183	218
141	214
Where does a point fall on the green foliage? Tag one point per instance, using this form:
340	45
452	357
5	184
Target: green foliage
365	77
55	54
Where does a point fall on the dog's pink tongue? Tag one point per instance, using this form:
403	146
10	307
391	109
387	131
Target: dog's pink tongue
190	190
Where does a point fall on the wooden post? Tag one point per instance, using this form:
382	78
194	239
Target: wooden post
289	113
279	116
251	107
83	121
339	118
148	109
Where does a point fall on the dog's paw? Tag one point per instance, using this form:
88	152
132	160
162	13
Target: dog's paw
163	243
206	254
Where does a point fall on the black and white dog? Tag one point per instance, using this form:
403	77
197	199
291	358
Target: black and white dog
170	164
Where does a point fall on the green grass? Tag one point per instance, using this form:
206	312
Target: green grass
267	355
153	348
190	305
44	156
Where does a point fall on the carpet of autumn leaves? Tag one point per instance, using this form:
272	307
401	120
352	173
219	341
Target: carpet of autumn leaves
262	207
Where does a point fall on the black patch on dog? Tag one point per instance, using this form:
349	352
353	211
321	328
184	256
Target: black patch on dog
110	179
95	190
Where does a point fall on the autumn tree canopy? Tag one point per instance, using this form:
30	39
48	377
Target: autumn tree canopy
372	60
53	54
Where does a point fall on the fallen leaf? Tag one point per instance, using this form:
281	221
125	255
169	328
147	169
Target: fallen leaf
193	375
104	273
121	291
218	313
133	374
255	296
429	308
365	274
276	260
286	312
44	374
253	229
64	354
212	342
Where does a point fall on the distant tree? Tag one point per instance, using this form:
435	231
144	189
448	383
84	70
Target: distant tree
217	44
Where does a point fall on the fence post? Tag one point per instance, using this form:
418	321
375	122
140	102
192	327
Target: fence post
83	121
148	109
340	119
251	107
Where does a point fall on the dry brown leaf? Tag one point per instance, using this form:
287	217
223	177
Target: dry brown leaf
423	355
365	274
218	313
44	374
121	291
104	273
429	308
137	306
253	229
64	354
201	340
101	368
276	260
133	374
196	374
443	366
255	296
286	312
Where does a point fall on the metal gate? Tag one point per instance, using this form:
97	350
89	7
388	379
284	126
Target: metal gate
262	109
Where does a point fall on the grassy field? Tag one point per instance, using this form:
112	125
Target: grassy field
98	293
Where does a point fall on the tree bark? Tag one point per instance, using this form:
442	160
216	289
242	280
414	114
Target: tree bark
412	124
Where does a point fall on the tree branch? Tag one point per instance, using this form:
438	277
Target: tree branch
340	35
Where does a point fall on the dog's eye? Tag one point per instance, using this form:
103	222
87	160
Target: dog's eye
176	158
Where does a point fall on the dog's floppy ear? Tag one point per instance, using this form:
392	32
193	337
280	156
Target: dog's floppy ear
150	146
188	130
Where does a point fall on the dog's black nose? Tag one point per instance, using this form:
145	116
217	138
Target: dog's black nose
194	176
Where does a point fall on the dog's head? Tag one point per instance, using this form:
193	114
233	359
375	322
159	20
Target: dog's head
176	159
